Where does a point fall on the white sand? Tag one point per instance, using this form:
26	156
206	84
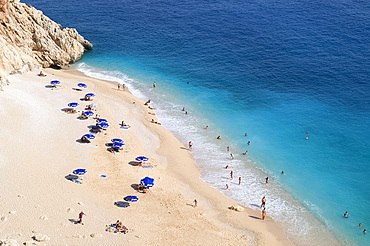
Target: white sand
38	148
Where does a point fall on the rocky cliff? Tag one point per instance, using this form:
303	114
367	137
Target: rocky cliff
29	40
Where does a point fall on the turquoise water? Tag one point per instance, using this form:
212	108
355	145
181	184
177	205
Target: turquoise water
274	70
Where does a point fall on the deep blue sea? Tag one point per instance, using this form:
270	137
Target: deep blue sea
272	69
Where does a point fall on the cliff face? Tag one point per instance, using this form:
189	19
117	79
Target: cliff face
29	40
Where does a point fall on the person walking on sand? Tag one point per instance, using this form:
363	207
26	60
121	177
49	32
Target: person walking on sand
80	217
190	145
231	174
240	180
263	213
263	202
195	203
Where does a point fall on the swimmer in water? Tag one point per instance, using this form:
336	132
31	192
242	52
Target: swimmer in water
249	142
346	214
245	134
282	172
206	128
154	84
267	180
232	156
228	148
231	174
306	138
364	231
359	225
245	153
219	137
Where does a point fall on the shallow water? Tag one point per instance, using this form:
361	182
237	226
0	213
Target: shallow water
272	69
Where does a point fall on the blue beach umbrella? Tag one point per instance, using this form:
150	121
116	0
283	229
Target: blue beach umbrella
73	104
82	85
79	171
118	145
147	182
142	158
90	95
55	82
89	136
131	198
117	140
88	113
103	125
101	121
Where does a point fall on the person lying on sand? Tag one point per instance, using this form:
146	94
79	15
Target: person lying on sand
151	113
84	140
155	122
70	111
147	102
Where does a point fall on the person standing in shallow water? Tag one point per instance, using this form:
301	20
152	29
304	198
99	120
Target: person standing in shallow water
154	85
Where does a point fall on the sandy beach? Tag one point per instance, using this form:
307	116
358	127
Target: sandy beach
40	147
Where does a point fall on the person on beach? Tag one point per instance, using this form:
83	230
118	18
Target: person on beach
147	102
41	74
119	86
123	87
154	84
263	213
123	123
263	202
232	156
190	145
195	203
231	174
346	214
206	128
267	180
240	180
228	148
80	217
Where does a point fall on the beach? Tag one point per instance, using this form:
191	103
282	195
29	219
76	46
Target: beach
40	147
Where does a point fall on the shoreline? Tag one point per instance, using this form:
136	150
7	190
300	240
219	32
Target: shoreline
168	204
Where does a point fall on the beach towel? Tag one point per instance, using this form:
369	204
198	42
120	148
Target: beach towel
93	146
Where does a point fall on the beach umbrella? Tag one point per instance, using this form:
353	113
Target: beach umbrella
142	158
73	104
79	171
131	198
118	145
147	182
117	140
82	85
101	121
55	82
103	125
88	113
89	136
90	95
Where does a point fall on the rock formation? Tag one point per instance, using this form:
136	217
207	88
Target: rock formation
29	40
